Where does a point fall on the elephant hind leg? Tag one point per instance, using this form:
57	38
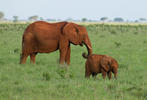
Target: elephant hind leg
32	57
103	73
23	58
87	74
87	71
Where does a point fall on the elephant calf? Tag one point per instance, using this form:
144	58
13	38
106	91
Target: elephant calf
100	64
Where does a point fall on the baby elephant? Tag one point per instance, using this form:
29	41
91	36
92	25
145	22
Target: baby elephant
100	64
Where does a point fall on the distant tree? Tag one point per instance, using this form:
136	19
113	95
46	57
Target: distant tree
51	19
136	21
127	20
33	18
118	19
142	19
15	18
1	15
104	19
84	19
41	18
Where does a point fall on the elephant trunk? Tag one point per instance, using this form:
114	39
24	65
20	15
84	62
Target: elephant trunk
88	45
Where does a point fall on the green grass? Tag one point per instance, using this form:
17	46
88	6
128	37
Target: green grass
47	81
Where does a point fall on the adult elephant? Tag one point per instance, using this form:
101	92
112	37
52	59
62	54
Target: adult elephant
43	37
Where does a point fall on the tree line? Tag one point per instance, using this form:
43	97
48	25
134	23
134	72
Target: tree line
102	19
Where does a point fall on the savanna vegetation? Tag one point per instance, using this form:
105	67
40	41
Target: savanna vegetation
46	80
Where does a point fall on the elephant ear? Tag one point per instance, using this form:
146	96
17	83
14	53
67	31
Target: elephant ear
69	28
105	63
71	32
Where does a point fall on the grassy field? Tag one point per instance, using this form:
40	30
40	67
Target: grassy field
47	81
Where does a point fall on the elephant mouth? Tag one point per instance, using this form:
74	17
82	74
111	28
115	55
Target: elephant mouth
81	44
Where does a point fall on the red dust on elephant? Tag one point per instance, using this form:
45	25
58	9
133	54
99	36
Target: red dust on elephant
43	37
100	64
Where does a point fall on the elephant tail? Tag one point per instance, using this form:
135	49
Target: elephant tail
85	55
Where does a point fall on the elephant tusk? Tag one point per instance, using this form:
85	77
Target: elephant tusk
89	47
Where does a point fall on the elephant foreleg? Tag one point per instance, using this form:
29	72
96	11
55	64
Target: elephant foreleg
109	74
115	73
63	46
62	56
67	59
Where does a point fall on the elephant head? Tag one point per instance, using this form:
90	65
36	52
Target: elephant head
77	35
108	63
